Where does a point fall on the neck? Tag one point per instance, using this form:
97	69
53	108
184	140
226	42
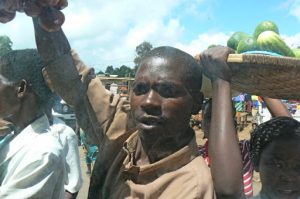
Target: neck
264	195
160	148
28	112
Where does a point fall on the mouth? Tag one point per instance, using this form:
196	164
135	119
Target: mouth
148	123
288	191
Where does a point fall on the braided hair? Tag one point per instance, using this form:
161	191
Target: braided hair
279	127
25	64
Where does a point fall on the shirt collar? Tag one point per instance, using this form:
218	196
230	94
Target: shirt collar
149	172
37	127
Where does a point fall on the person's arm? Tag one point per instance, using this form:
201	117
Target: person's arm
276	107
74	174
69	195
224	151
54	50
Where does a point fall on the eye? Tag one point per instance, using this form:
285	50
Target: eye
276	163
141	88
168	90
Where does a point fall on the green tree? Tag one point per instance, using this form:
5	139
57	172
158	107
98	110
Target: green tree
141	50
109	70
125	71
116	71
5	44
100	72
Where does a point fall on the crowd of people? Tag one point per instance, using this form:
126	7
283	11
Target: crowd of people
145	145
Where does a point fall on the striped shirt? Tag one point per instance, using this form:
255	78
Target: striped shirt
248	167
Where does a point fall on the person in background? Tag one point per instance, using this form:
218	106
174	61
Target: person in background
244	145
275	151
69	141
90	150
255	120
31	160
274	145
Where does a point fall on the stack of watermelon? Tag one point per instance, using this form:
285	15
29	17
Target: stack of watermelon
265	38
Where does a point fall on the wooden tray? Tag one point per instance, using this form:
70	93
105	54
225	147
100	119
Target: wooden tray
265	75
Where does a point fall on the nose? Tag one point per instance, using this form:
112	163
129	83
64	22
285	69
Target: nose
288	176
152	103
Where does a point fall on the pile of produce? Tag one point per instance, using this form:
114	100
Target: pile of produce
266	37
48	11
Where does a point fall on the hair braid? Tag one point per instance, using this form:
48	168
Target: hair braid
270	130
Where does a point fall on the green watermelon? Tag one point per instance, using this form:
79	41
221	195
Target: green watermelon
296	52
272	42
248	44
235	38
265	26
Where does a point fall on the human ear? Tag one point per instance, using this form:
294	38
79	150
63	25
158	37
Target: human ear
22	88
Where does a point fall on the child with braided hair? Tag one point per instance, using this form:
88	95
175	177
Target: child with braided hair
275	144
275	152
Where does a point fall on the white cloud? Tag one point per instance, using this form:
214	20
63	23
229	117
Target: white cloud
293	40
293	7
203	41
20	31
106	32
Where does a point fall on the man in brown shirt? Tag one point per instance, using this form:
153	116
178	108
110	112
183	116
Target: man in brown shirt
146	147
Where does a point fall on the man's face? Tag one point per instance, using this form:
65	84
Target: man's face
280	169
8	99
160	101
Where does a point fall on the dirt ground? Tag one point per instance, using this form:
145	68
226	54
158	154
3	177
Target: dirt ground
86	178
245	134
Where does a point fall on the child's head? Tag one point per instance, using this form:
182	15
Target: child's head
206	116
275	151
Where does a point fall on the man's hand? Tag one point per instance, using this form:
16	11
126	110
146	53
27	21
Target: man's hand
214	63
48	11
8	9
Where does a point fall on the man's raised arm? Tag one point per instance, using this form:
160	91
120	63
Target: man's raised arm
54	50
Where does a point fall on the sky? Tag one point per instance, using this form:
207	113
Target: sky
106	32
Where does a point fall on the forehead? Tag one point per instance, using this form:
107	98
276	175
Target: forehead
160	68
285	148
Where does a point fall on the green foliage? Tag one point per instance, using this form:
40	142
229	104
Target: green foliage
141	50
123	71
110	70
5	44
100	72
